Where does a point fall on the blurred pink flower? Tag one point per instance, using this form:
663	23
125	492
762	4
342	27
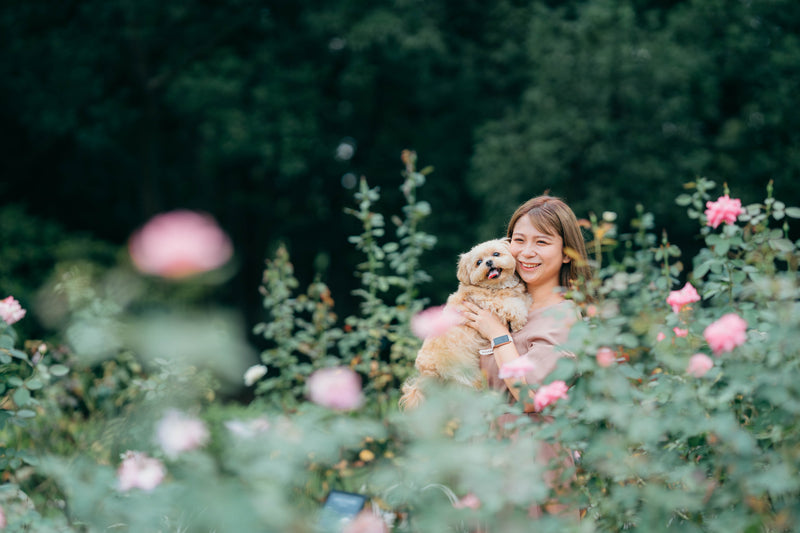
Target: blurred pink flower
680	332
550	393
606	356
726	333
686	295
470	501
138	470
699	364
517	368
10	310
434	321
725	209
179	244
661	336
366	522
336	388
177	432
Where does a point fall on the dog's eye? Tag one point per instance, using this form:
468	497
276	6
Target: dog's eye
496	254
479	262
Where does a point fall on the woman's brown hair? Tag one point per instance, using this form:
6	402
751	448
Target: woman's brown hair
554	217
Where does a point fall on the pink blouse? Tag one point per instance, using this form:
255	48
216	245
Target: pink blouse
546	328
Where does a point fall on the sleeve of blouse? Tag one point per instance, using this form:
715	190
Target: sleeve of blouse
548	331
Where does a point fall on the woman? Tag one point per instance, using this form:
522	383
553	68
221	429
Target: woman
551	257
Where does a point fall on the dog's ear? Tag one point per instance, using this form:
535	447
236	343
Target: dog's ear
463	268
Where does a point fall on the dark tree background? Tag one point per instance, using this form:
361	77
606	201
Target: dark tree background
262	113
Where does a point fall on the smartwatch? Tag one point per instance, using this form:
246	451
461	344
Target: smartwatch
497	341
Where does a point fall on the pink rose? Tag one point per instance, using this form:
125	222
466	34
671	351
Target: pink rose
686	295
661	336
516	369
606	357
10	310
724	209
550	393
699	364
336	388
137	470
179	244
470	501
366	522
680	332
178	432
726	333
434	321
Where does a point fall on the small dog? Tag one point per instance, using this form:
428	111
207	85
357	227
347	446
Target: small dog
487	277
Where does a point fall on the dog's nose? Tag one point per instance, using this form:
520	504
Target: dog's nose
489	263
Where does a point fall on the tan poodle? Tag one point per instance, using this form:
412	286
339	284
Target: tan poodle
487	277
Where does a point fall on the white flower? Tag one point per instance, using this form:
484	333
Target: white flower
254	373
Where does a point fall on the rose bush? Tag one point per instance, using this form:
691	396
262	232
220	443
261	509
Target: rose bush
666	437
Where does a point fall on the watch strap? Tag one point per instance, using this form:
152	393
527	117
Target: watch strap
497	341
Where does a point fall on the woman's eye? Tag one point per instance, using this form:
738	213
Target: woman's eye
479	262
496	254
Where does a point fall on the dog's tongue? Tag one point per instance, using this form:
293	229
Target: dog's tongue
493	273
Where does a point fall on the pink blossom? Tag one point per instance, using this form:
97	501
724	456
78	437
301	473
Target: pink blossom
179	244
517	368
680	332
550	393
726	333
724	209
336	388
366	522
606	356
470	501
687	295
137	470
435	321
699	364
177	432
661	336
10	310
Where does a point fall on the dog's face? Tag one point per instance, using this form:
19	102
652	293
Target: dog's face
489	264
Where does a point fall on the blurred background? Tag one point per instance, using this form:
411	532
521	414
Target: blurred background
266	114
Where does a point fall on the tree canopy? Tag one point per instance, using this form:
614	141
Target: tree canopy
266	114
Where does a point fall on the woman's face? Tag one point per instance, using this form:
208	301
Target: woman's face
539	255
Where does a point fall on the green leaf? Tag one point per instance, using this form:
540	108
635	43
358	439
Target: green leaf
58	370
793	212
25	413
34	384
22	397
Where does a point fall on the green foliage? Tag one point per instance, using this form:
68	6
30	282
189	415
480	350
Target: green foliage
658	448
377	342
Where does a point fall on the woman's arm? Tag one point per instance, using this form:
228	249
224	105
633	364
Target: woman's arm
489	326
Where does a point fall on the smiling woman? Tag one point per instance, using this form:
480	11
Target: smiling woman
550	255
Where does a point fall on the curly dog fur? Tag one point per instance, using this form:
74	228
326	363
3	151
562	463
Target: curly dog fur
487	277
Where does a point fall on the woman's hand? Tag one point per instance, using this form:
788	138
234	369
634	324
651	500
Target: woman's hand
484	322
